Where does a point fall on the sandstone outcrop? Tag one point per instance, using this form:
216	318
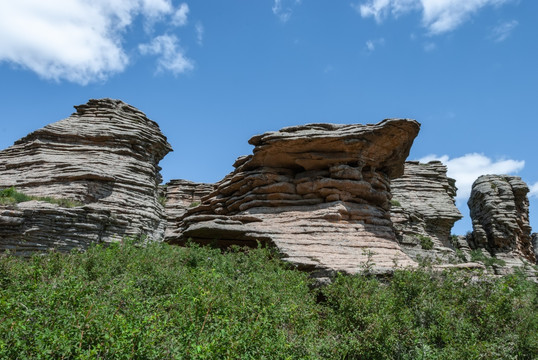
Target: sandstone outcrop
423	209
105	156
320	193
181	195
500	213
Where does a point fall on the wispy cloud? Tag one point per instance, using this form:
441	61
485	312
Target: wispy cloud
170	55
502	31
199	33
283	9
180	15
81	41
371	45
467	168
438	16
533	190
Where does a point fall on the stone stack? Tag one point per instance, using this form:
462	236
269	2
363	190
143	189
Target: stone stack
181	195
320	193
105	157
423	209
500	213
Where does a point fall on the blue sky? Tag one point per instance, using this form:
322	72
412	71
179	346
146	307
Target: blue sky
213	73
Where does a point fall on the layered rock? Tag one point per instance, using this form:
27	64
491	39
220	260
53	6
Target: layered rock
105	156
423	209
320	193
181	195
499	210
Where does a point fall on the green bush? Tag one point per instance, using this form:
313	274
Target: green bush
11	196
128	301
478	255
426	242
395	203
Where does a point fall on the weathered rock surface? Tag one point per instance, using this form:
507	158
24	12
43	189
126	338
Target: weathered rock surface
105	156
500	213
320	193
423	208
181	195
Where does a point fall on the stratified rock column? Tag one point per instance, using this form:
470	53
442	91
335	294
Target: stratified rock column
423	207
320	193
105	156
500	214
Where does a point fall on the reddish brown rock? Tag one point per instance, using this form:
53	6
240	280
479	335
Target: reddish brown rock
320	193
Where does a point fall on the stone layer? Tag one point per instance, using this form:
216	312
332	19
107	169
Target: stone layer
499	210
423	205
105	156
320	193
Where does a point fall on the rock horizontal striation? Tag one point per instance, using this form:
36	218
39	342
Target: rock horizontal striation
104	156
181	195
320	193
423	207
499	210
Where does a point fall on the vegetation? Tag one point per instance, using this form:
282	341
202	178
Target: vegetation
478	255
194	204
426	242
163	302
11	196
395	203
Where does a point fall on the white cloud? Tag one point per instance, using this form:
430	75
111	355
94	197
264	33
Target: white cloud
199	33
371	45
284	8
171	56
533	190
502	31
467	168
180	16
80	41
438	16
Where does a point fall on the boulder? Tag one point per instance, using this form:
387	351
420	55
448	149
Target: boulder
499	210
423	210
104	159
320	193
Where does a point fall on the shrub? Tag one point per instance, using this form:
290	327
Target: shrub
426	242
128	301
395	203
11	196
478	255
194	204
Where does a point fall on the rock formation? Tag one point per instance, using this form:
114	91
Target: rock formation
105	156
423	209
500	213
181	195
320	193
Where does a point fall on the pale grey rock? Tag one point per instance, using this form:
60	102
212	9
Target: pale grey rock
423	207
180	195
104	156
499	210
320	193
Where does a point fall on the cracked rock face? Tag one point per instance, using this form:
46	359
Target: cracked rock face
500	213
104	156
320	193
423	206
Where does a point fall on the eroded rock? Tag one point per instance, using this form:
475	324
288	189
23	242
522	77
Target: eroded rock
423	210
500	213
320	193
105	156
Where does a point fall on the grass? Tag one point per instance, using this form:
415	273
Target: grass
163	302
10	196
